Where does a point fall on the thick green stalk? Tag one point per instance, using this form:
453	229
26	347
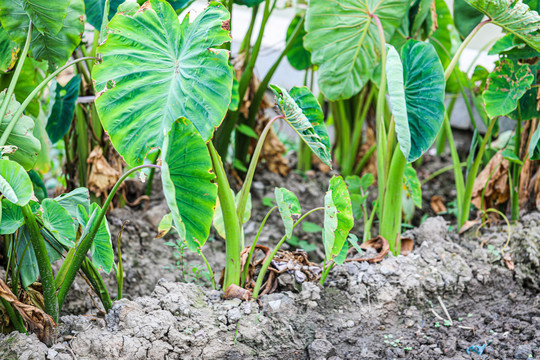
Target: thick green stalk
379	117
467	197
97	283
254	244
152	174
233	229
390	227
244	193
514	190
364	160
359	127
86	243
83	143
269	259
16	74
29	98
43	262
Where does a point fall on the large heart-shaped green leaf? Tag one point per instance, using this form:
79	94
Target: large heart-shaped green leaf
59	222
95	9
62	108
156	70
8	51
15	184
298	56
188	183
304	114
31	75
101	249
416	86
289	208
338	217
73	199
26	146
514	17
12	217
46	16
57	47
344	41
505	86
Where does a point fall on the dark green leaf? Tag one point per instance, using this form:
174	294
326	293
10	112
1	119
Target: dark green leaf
95	9
62	108
466	17
12	217
298	56
250	3
8	51
39	187
101	249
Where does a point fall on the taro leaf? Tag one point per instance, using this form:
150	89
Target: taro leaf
8	51
514	17
12	217
218	223
441	39
344	41
56	48
358	189
188	183
27	146
58	221
250	3
101	249
466	17
46	16
289	208
298	56
418	14
338	217
73	199
62	108
15	184
31	75
414	188
177	5
534	145
503	44
416	88
155	70
342	255
304	114
95	8
505	87
26	258
37	183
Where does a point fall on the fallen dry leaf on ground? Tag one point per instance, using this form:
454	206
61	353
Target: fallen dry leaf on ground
379	243
437	204
492	182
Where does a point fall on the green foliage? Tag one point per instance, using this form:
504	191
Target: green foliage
62	108
57	220
96	8
304	114
21	144
416	86
150	76
505	87
8	51
343	40
358	189
466	17
289	208
298	56
188	183
250	3
414	188
12	217
15	184
101	249
338	217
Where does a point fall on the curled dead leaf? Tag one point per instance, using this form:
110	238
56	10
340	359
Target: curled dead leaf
468	225
407	245
507	259
237	292
492	184
379	243
102	175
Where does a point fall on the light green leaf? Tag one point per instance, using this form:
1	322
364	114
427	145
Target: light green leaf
156	70
165	225
188	183
31	75
298	56
62	108
57	47
304	114
246	130
177	5
235	96
514	17
422	93
46	16
289	208
310	227
21	137
505	86
12	217
15	184
414	188
95	9
73	199
8	51
344	41
534	145
59	222
338	217
101	249
342	255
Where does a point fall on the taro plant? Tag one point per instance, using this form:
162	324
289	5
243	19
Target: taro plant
167	84
348	58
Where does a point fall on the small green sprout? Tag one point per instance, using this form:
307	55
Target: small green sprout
447	323
437	324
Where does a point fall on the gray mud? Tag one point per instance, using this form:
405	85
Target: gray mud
449	299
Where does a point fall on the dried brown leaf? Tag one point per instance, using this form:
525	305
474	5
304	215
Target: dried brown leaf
379	243
102	175
492	182
437	204
407	245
